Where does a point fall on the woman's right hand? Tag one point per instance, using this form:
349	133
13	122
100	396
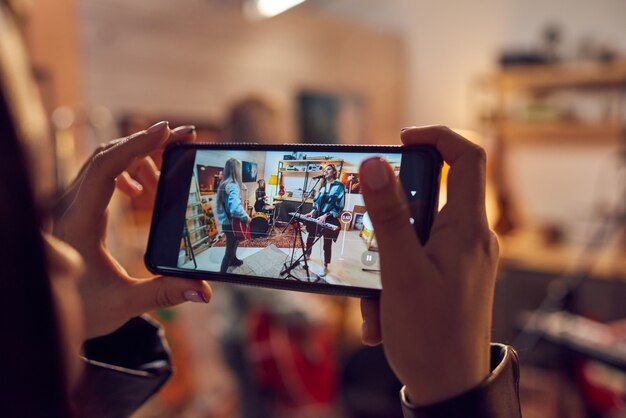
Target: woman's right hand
434	311
109	294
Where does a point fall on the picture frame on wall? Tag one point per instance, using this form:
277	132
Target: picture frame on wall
248	172
358	221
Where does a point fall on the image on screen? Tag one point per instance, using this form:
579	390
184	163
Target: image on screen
307	218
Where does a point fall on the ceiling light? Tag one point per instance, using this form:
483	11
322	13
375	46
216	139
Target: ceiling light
269	8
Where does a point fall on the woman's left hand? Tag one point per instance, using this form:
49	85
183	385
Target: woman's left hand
110	296
323	218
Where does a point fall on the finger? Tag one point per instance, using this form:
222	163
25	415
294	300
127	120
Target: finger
71	191
183	134
162	292
145	170
128	185
387	207
98	184
466	179
371	333
147	173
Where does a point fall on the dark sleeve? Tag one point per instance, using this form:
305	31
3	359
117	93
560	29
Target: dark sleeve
340	201
122	370
496	397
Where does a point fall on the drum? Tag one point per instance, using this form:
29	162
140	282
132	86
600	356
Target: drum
259	226
270	210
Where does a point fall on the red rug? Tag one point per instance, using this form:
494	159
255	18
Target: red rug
276	237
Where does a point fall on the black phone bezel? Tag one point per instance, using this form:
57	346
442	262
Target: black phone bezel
341	290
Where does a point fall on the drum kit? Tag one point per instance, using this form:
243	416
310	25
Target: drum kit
262	222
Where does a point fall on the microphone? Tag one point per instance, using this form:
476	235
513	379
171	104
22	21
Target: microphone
321	176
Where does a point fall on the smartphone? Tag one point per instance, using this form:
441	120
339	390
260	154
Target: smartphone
280	216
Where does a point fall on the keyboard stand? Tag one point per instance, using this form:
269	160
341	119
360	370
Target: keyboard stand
288	267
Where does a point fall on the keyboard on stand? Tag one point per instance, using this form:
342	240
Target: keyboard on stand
314	221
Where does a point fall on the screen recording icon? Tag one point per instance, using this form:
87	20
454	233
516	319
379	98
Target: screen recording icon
369	258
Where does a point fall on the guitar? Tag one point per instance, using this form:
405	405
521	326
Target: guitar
241	229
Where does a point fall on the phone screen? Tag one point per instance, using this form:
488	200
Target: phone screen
293	215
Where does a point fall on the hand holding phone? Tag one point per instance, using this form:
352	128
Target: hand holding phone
434	312
110	296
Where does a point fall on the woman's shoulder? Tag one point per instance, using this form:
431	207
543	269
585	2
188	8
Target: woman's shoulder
231	187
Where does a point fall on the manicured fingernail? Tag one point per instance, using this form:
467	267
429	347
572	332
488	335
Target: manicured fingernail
365	334
136	185
157	127
186	129
195	296
374	174
407	128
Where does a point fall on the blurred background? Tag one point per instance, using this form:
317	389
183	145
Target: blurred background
541	85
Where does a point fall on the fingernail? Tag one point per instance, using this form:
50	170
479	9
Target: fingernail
365	335
407	128
195	296
364	330
157	127
136	184
187	129
374	174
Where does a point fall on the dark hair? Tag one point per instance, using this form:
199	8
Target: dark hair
32	362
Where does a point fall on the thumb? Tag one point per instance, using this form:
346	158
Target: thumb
388	209
162	292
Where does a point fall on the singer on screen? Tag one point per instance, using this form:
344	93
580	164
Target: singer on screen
327	206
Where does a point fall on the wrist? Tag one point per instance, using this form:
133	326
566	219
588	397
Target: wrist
448	378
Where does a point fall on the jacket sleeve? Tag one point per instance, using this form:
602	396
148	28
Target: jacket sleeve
235	206
341	194
496	397
122	370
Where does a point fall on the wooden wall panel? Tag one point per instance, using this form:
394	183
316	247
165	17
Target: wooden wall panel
193	58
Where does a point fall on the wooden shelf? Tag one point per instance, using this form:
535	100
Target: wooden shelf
199	215
551	91
551	77
310	173
197	228
570	131
311	161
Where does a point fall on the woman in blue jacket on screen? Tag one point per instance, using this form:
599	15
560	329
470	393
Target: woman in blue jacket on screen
230	211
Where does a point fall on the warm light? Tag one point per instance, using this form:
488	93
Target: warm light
273	181
270	8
